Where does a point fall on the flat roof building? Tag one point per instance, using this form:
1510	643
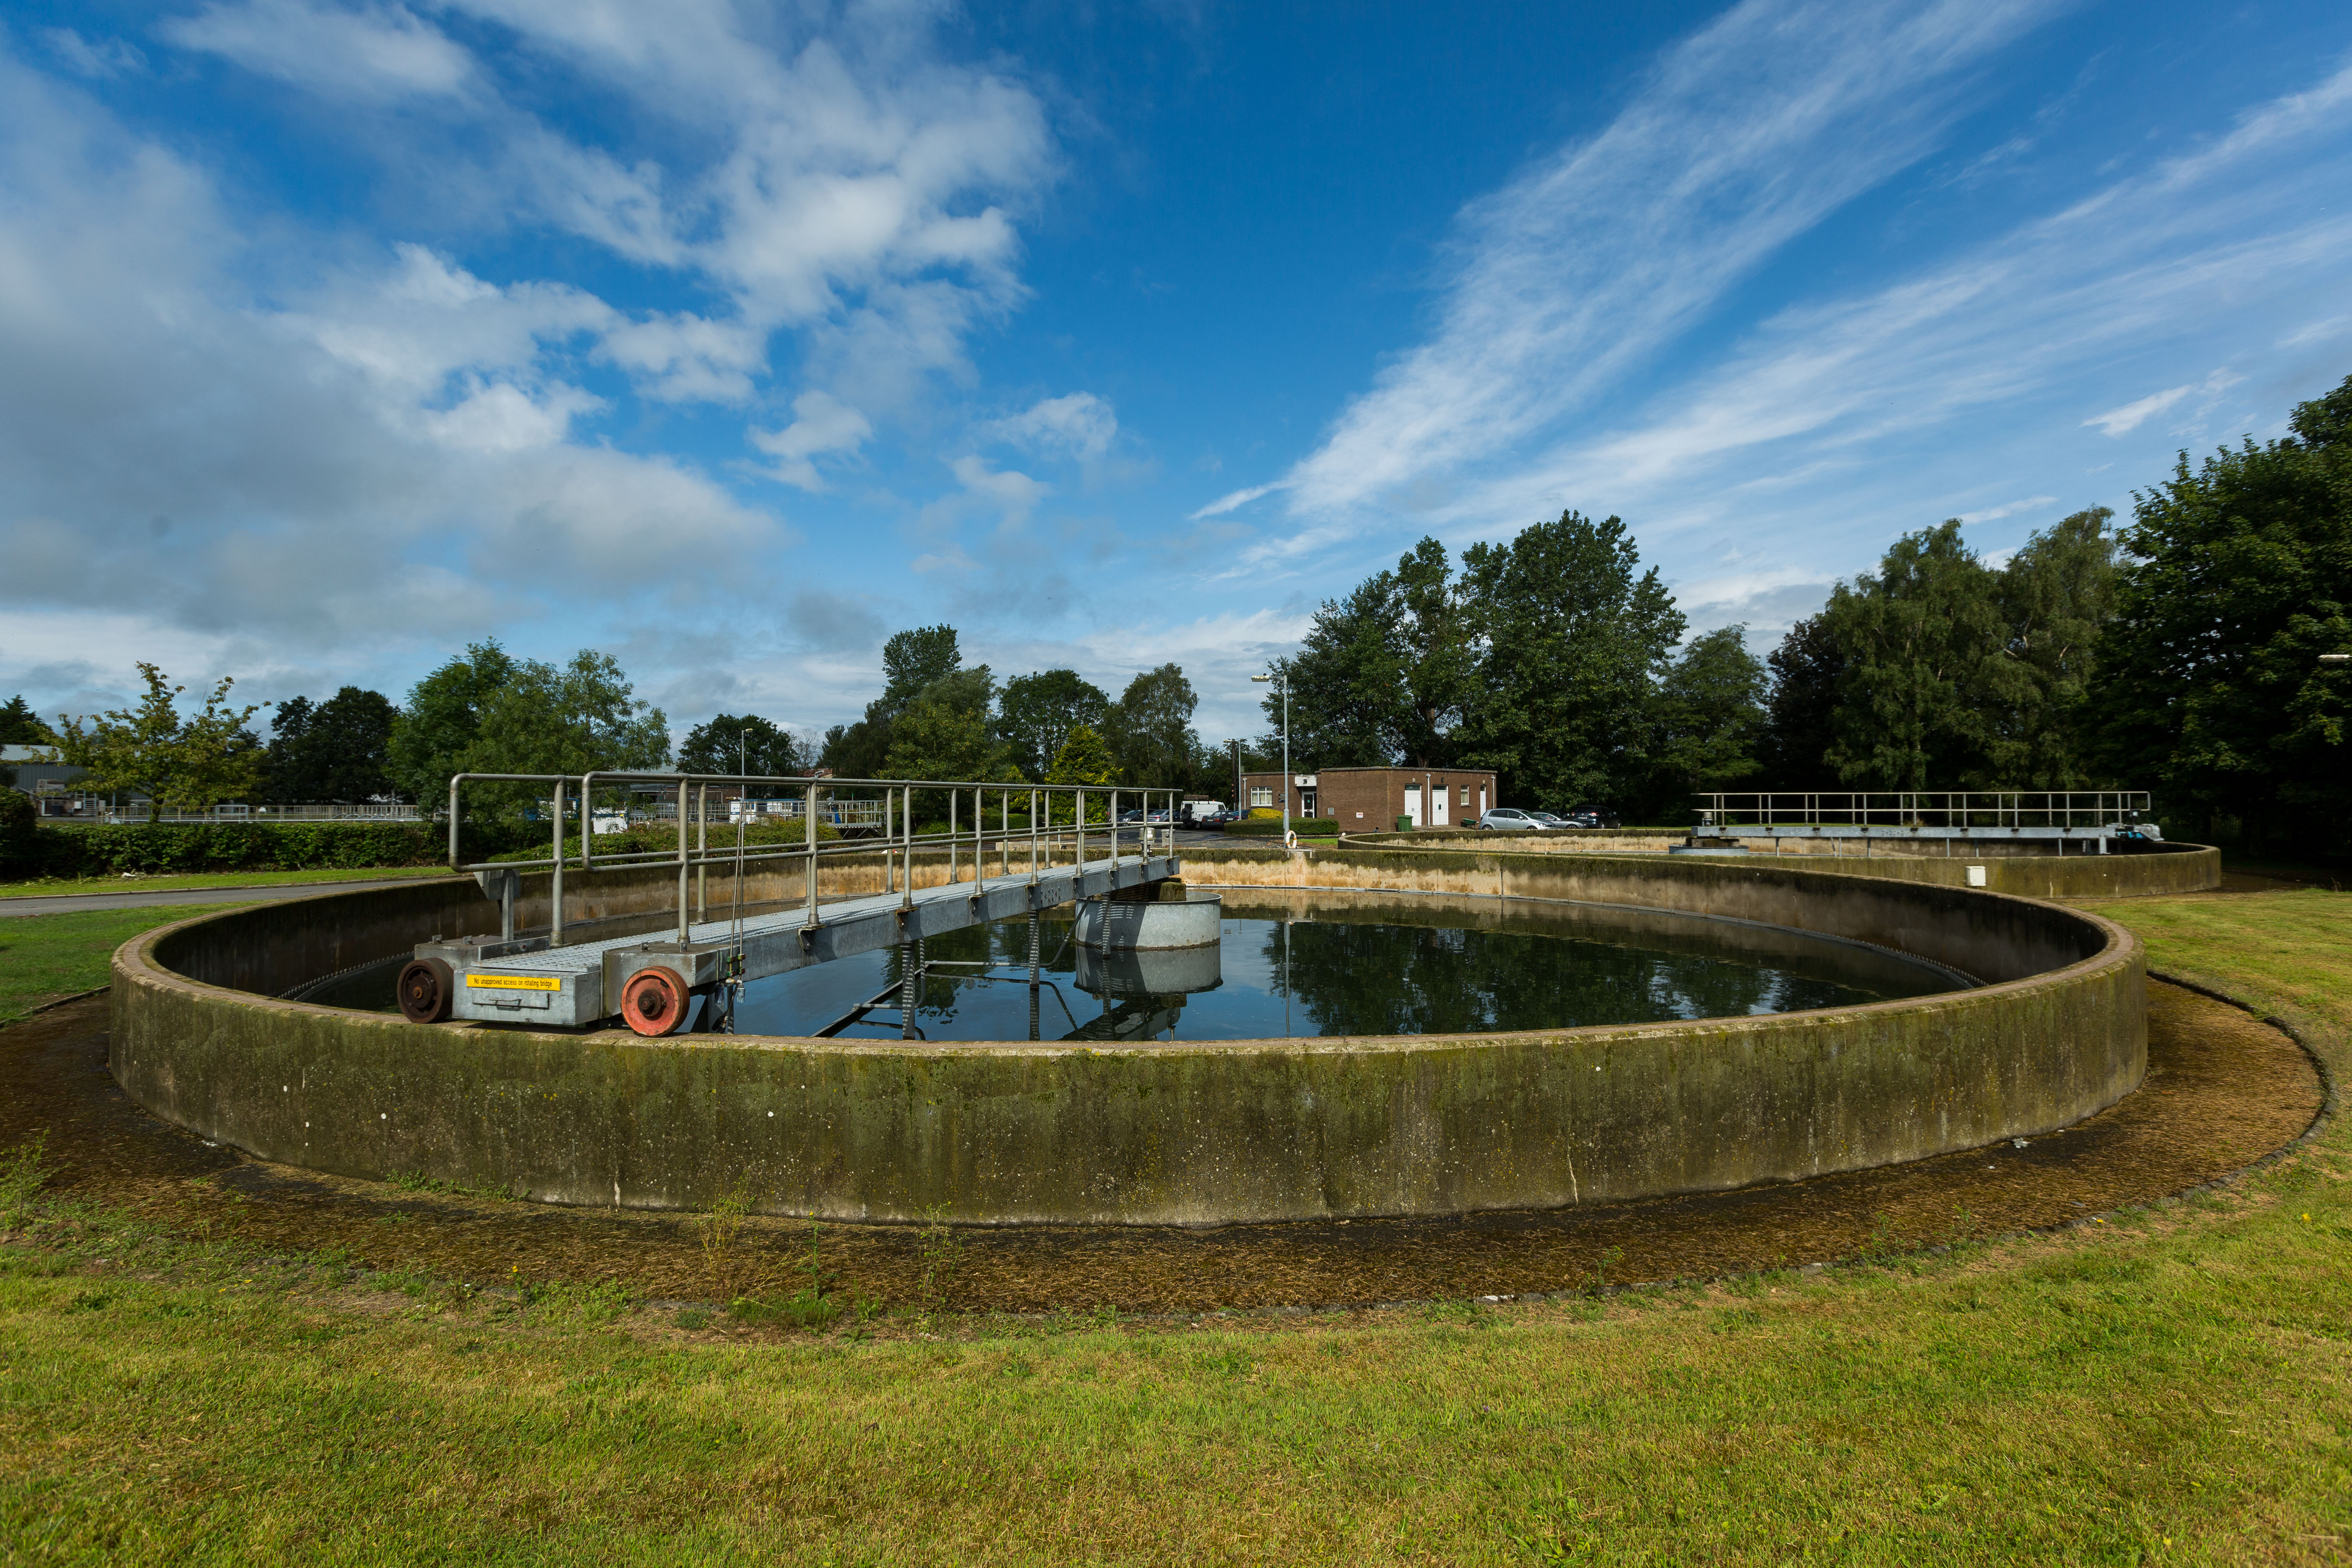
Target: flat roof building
1372	800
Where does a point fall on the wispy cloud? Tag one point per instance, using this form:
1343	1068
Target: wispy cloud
1746	135
1234	501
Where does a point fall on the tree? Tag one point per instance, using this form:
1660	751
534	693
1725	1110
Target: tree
726	743
338	749
1347	695
1710	720
1038	710
936	738
580	716
1801	715
1382	674
1085	759
179	764
911	661
1570	643
20	726
2056	595
1922	640
443	718
2234	581
1151	730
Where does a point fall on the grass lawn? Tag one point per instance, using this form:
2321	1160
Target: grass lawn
44	957
2174	1385
52	886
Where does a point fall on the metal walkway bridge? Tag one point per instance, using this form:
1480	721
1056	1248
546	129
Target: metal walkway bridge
1050	845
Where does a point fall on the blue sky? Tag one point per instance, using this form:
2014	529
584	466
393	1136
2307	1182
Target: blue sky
731	338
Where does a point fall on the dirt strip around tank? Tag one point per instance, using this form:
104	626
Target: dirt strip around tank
2222	1090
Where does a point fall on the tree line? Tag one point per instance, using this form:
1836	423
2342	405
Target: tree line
2178	654
939	718
486	710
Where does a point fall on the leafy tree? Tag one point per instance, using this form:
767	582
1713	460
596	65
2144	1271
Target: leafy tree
911	661
1038	711
1801	715
1348	698
337	750
2233	584
442	719
2056	595
1151	727
1922	640
1382	674
579	717
726	743
1710	720
937	738
1085	759
20	726
189	764
1570	643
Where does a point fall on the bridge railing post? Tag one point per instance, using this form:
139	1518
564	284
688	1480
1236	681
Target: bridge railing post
808	863
684	858
555	892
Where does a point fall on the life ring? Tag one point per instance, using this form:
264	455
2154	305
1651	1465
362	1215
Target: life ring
1289	838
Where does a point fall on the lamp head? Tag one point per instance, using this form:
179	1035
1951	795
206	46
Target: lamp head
1261	677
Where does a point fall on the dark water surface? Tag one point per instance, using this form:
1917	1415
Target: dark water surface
1312	967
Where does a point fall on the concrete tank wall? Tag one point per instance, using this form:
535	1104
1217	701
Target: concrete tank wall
2015	868
1201	1133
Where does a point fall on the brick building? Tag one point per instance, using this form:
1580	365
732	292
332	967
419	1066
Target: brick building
1369	800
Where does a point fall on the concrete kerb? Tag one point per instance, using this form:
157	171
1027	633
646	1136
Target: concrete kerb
1202	1134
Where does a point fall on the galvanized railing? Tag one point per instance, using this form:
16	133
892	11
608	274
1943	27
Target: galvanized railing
1925	809
1051	817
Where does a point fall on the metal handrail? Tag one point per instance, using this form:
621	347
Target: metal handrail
898	854
1924	808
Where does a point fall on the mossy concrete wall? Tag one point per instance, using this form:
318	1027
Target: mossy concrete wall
2009	868
1189	1133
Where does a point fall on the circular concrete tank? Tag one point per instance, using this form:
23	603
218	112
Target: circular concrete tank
1184	1133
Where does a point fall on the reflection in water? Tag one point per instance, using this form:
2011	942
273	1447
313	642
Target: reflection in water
1350	972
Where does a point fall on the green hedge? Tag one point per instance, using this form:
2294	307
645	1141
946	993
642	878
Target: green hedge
161	847
1270	827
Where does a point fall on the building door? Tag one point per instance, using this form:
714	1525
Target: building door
1437	807
1482	800
1412	802
1307	803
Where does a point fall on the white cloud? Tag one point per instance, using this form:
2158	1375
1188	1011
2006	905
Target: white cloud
98	60
368	53
1235	499
1078	425
2008	508
1014	493
823	423
2132	415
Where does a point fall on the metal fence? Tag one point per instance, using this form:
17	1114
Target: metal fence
1924	812
1033	825
139	811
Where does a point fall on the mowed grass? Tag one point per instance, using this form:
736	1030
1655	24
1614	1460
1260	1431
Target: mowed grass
44	957
2169	1386
55	886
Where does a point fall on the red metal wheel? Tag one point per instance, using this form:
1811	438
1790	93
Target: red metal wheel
653	1002
425	989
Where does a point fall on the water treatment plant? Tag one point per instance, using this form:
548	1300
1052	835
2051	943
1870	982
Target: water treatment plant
1032	1018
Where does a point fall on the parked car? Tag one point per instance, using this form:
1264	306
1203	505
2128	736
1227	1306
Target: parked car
1511	819
1595	817
1132	814
1548	820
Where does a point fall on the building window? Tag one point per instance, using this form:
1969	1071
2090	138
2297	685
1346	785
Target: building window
1261	794
1465	794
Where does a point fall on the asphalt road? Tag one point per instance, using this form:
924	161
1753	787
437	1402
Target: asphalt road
67	903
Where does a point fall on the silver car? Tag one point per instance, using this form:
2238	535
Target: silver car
1511	819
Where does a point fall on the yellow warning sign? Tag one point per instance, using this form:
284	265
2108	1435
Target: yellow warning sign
513	982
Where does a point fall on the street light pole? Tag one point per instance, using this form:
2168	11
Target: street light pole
1284	680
